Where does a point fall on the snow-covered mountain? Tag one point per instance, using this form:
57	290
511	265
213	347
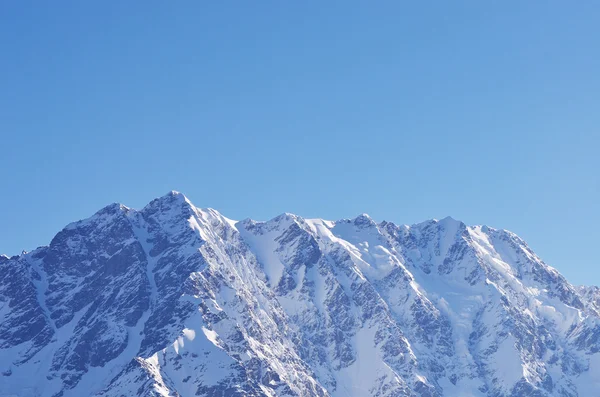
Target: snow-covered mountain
175	300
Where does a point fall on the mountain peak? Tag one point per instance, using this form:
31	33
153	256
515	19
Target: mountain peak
170	199
112	208
363	220
174	195
448	219
451	223
285	216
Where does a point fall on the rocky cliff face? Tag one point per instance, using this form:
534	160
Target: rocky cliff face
174	300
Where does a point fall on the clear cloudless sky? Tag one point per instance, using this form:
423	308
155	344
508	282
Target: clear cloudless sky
487	111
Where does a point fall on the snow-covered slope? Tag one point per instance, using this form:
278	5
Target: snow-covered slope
174	300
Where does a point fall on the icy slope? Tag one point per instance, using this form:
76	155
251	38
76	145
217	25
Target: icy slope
173	300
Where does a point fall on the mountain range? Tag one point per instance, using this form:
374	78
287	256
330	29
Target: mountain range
175	300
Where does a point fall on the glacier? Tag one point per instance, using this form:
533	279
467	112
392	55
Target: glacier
175	300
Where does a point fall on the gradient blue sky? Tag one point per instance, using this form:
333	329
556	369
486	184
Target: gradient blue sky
485	111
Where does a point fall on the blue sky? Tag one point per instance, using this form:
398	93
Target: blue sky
485	111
